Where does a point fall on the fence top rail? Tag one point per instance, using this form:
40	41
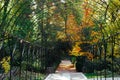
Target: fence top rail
21	41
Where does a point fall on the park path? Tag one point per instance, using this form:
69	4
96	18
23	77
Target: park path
65	66
66	71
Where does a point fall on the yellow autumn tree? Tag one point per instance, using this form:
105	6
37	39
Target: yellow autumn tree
77	51
85	33
6	64
72	28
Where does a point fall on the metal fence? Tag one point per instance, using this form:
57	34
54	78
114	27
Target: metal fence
106	62
21	60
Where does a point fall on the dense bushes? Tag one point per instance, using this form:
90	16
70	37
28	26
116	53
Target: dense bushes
80	63
87	66
84	65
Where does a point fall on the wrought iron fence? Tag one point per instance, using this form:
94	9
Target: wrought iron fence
106	62
21	60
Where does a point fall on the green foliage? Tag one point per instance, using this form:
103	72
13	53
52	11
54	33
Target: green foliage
40	22
86	33
80	60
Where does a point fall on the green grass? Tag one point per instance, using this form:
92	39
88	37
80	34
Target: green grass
91	75
94	75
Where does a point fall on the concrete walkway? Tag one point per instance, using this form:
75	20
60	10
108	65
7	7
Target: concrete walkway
66	71
66	76
65	66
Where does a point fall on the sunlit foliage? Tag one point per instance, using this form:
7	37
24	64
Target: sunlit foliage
5	64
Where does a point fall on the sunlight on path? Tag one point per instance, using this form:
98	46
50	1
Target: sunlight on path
66	76
65	66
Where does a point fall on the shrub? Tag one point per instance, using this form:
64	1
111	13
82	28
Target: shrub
80	60
88	67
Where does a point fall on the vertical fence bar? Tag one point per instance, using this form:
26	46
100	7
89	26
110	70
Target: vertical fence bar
1	47
92	48
12	58
20	42
36	59
44	58
37	63
21	56
30	62
105	55
97	61
1	43
40	58
33	62
27	53
26	61
100	48
113	44
2	40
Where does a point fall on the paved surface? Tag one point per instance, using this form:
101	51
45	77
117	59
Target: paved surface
66	76
65	66
67	71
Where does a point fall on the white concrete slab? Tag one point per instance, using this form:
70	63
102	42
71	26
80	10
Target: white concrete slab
66	76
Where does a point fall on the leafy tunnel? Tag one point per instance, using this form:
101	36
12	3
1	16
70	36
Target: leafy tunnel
67	28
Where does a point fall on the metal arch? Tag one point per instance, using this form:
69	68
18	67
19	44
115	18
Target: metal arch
104	14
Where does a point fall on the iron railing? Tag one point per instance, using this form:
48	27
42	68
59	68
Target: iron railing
106	62
27	61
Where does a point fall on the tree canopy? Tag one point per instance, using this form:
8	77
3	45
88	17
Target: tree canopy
47	21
